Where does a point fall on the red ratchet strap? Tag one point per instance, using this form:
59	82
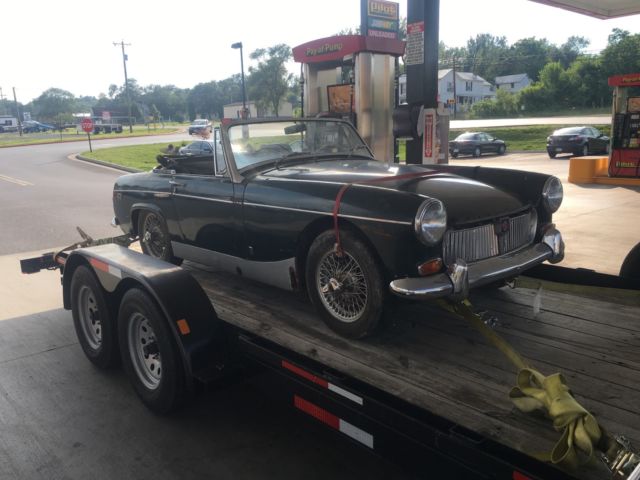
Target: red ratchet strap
345	187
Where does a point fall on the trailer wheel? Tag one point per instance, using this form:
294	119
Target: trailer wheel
149	354
92	319
347	289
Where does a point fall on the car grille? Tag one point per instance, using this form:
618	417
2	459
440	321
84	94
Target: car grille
478	243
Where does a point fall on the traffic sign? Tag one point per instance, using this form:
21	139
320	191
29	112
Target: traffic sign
87	125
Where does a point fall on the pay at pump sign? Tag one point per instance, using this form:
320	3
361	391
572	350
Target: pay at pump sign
415	44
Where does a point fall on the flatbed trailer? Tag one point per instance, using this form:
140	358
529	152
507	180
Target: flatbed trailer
428	392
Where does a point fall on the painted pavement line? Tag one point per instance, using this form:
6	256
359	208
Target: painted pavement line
17	181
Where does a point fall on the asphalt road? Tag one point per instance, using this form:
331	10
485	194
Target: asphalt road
61	418
44	195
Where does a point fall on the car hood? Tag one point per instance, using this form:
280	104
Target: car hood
466	200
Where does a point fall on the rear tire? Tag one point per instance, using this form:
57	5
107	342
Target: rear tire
631	264
552	154
454	155
154	237
92	319
149	354
347	290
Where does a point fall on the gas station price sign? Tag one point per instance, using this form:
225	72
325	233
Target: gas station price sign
381	18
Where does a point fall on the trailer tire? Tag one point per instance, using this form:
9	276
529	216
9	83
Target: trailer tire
150	355
92	319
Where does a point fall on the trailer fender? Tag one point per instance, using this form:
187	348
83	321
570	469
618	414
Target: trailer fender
201	337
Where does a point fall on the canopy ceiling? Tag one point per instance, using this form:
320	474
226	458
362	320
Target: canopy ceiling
597	8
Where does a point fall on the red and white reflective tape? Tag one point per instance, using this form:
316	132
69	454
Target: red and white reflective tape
105	267
322	382
333	421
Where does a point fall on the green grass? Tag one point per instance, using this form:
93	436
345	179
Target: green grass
13	139
142	157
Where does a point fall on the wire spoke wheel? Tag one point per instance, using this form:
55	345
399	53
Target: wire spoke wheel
89	317
153	236
342	286
144	351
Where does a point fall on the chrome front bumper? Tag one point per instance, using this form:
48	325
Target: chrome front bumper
461	277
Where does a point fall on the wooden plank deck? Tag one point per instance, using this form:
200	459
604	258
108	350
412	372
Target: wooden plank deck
436	361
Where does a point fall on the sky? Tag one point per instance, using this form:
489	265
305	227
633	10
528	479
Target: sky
69	44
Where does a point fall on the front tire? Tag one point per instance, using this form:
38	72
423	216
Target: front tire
477	152
502	150
149	354
347	289
154	237
552	154
92	319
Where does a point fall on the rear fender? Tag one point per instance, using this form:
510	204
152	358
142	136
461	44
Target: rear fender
202	339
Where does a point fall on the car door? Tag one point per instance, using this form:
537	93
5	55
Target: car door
483	142
205	202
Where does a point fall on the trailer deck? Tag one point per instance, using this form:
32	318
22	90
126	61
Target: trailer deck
435	361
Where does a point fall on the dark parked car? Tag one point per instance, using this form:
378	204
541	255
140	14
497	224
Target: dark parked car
476	143
202	147
31	126
200	126
579	141
331	219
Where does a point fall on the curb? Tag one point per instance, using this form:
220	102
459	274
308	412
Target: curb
106	164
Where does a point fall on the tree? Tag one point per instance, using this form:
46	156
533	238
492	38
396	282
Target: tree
569	51
485	55
53	102
528	55
621	54
269	80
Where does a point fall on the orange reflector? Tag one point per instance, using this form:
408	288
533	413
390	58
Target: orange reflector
430	267
183	326
520	476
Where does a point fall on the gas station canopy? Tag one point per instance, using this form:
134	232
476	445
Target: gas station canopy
603	9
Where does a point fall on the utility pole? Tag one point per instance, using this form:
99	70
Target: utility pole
1	100
15	100
455	95
126	80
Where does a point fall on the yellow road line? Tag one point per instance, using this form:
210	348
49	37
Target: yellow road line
22	183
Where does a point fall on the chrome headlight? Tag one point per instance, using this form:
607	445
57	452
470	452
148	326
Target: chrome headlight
552	194
431	221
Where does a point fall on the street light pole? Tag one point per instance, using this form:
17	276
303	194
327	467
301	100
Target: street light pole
126	80
244	89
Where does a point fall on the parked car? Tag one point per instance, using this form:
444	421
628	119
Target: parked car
202	147
476	143
579	141
199	126
31	126
334	221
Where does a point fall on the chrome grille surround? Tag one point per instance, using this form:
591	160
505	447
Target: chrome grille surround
477	243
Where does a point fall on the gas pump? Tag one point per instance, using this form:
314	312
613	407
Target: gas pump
625	145
352	77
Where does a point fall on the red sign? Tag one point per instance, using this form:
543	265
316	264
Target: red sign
428	134
628	80
338	47
87	125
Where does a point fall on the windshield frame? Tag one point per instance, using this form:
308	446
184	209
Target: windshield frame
239	174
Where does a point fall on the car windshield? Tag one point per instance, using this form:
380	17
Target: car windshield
568	131
200	122
266	142
466	136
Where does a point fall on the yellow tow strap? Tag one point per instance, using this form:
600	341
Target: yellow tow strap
534	391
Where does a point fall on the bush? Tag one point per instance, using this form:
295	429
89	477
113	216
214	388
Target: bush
504	105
